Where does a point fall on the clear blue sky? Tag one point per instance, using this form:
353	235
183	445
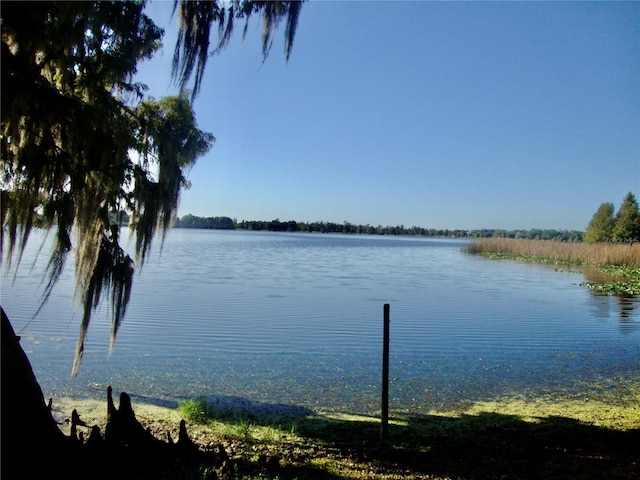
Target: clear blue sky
436	114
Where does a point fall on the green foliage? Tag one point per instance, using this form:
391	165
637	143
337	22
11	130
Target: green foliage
191	221
170	141
196	410
618	289
348	228
624	227
217	223
627	227
78	143
600	228
627	284
622	271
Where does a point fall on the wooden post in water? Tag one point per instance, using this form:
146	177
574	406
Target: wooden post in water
384	428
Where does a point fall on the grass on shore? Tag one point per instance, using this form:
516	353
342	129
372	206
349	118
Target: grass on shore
596	435
595	254
618	263
589	436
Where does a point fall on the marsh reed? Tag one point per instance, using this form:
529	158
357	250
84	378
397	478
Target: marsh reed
596	254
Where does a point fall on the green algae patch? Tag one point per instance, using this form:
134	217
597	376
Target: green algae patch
593	412
612	404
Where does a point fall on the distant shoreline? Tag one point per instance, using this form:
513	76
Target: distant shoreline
226	223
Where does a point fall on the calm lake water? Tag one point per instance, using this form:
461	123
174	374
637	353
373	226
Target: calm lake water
296	319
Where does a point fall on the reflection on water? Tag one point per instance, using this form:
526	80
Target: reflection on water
297	319
624	306
627	307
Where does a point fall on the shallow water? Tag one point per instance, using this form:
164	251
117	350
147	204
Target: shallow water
297	319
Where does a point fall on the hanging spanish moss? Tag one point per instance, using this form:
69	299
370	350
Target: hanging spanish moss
74	150
111	274
196	19
78	143
171	142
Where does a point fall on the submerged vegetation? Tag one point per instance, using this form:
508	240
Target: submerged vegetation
618	262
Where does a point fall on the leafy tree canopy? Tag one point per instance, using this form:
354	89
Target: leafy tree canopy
624	227
627	227
600	228
78	142
191	221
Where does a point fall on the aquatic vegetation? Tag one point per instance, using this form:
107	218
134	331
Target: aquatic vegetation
613	288
630	285
621	271
545	251
619	261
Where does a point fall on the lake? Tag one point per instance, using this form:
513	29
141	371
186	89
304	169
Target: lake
297	319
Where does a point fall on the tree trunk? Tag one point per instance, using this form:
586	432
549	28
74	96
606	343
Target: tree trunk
31	440
32	445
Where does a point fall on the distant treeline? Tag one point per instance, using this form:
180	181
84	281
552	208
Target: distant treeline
211	223
226	223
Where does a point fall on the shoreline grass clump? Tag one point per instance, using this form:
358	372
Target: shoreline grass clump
196	410
231	423
619	262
